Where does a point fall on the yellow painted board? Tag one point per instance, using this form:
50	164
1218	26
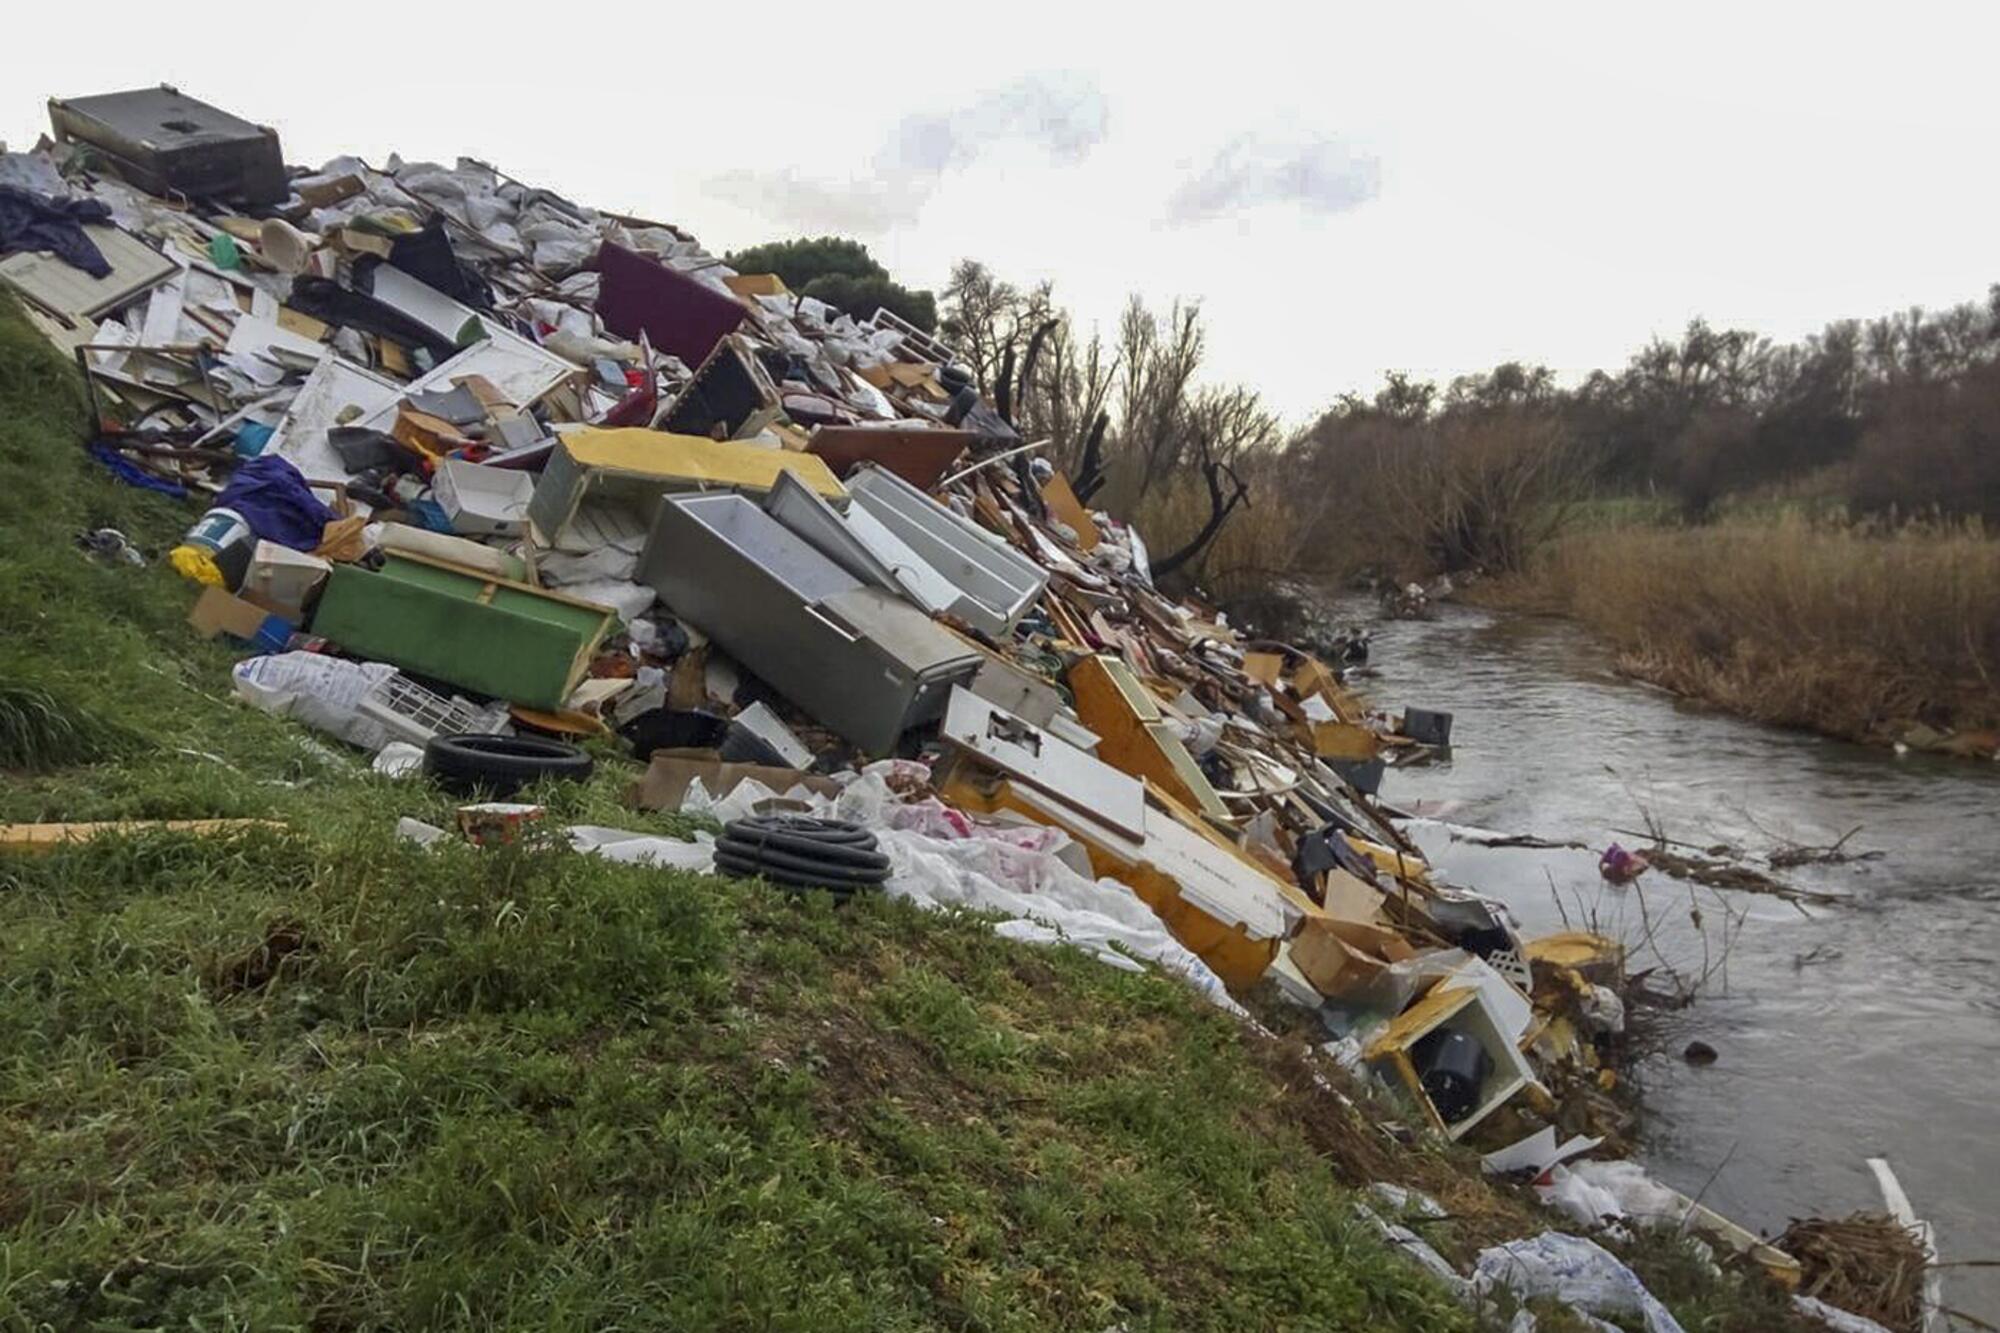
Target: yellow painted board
1390	860
1344	740
1573	948
1264	668
1062	502
757	284
691	458
1237	955
48	837
1133	737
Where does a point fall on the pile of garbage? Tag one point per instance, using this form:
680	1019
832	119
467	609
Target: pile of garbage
483	475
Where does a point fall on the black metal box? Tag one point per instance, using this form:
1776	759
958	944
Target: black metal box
167	143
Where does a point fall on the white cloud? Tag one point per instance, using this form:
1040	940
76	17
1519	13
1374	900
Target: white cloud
1061	116
1319	176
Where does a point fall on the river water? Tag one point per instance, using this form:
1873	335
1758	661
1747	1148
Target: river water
1866	1028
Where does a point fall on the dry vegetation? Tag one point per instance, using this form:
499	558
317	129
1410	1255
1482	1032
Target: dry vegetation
1847	629
1795	532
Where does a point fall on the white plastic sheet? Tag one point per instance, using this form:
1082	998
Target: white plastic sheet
940	858
1575	1271
631	848
1419	1249
627	599
1835	1318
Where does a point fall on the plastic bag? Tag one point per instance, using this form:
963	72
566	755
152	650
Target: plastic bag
1575	1271
1835	1318
323	692
938	859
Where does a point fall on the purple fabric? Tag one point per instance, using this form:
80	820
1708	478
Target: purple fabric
276	502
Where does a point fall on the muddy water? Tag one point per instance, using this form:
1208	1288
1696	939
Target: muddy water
1867	1028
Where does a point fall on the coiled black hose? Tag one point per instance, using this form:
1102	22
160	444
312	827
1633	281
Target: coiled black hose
801	852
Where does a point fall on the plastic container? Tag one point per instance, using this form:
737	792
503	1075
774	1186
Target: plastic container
227	536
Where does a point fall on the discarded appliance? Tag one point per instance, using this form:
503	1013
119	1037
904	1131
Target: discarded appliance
167	143
1217	902
1427	727
1472	1089
857	659
1134	737
996	584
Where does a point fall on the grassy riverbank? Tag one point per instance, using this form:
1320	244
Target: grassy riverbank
1877	636
317	1078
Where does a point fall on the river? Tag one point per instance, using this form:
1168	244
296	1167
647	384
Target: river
1866	1028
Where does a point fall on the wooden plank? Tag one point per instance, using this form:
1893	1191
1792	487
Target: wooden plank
39	838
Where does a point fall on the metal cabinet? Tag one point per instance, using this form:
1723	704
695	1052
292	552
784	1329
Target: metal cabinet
857	659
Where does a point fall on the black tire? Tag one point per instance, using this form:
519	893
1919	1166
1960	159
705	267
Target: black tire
501	765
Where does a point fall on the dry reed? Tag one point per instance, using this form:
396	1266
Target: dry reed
1855	631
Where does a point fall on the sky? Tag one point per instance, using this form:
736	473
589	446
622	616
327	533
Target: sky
1347	190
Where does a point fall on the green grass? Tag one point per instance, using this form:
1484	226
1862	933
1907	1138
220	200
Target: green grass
321	1079
299	1081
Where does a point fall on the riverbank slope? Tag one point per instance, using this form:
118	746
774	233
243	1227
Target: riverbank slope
316	1077
1880	636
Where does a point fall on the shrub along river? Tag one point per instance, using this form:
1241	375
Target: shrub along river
1865	1027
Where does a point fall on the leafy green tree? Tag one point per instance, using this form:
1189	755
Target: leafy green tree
841	273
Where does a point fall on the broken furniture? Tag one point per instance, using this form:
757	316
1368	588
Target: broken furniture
919	457
679	315
857	659
731	396
1428	1049
482	634
626	472
1135	737
1217	902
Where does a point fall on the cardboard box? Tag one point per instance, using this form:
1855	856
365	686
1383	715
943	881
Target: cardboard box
1265	668
282	580
1343	958
483	501
217	611
1345	740
672	772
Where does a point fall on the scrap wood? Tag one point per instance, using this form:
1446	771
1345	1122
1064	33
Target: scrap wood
1518	840
37	838
1867	1264
1833	854
1717	874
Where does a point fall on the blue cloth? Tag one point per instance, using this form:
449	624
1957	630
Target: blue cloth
30	221
133	475
276	502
